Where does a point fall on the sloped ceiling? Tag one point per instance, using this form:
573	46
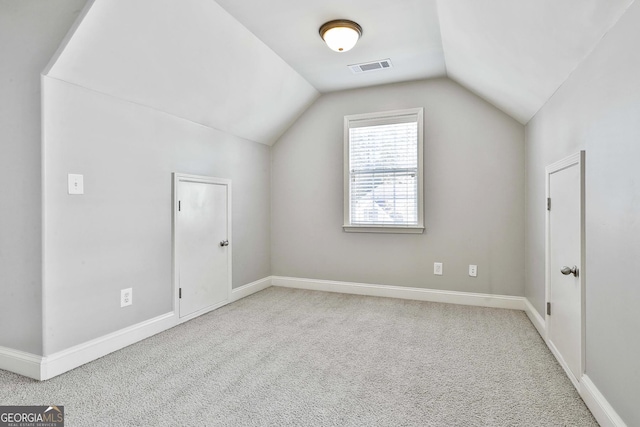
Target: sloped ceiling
513	53
250	67
406	31
188	58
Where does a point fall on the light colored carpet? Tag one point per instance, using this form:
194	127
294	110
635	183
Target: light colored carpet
286	357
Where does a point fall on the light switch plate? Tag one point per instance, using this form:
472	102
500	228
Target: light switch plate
76	184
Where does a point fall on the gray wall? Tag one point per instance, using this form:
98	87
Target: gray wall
30	31
118	234
598	110
474	195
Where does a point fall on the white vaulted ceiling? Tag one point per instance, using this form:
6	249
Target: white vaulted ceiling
513	53
188	58
516	53
251	67
406	31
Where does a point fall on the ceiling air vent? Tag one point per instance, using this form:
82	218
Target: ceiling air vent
370	66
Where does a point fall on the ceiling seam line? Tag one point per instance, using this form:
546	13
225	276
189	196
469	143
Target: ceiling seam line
587	55
150	108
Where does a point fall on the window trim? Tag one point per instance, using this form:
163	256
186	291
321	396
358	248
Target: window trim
376	118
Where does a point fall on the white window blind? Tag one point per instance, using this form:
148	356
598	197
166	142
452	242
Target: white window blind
383	170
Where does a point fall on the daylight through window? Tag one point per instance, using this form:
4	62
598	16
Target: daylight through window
383	172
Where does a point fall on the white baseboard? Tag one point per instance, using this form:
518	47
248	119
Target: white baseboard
419	294
602	411
20	362
250	288
535	318
73	357
595	401
78	355
43	368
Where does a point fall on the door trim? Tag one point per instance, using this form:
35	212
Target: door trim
575	159
180	177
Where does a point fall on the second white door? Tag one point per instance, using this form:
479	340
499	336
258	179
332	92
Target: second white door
202	235
565	291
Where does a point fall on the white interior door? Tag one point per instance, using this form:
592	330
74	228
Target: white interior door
565	292
202	250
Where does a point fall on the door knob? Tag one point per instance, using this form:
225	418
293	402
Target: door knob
569	270
224	243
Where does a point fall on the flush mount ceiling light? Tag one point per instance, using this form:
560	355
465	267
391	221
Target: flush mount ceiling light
340	35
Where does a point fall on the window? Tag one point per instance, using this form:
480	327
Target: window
383	172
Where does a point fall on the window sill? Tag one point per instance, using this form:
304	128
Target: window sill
382	229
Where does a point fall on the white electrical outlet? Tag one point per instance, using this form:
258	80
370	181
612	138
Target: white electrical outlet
473	270
126	297
437	268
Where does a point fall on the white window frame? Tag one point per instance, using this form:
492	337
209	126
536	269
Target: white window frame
372	119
